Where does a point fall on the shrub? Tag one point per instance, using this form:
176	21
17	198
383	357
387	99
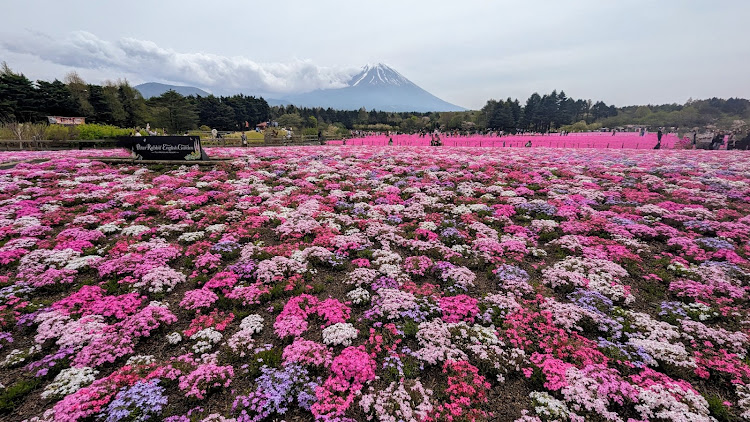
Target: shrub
95	131
57	133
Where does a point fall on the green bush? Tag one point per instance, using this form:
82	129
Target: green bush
57	133
96	131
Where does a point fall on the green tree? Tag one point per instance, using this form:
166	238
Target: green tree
312	122
18	97
56	99
215	113
531	112
173	112
133	103
291	120
103	112
112	98
79	90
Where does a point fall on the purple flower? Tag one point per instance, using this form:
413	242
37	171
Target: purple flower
141	402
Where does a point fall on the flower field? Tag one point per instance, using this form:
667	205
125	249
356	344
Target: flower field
384	284
621	140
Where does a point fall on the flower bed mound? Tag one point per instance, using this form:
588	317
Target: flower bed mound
351	284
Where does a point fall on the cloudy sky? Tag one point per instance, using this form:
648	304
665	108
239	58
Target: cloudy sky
623	52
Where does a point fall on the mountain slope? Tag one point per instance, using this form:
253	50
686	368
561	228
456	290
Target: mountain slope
154	89
377	87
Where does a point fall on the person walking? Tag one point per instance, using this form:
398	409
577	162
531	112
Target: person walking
243	137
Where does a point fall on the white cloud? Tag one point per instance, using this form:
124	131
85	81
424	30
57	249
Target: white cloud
82	49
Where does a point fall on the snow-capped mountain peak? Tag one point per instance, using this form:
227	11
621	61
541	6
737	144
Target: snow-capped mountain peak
375	87
378	74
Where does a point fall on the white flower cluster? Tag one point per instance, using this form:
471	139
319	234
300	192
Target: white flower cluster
660	340
207	338
82	262
109	228
140	360
50	207
242	341
460	276
538	253
252	323
68	381
743	402
14	357
216	228
734	341
543	226
160	279
484	345
382	257
157	304
406	401
428	225
135	230
361	276
549	407
671	402
174	338
191	236
679	268
172	228
86	219
701	311
341	333
596	274
435	340
358	296
313	252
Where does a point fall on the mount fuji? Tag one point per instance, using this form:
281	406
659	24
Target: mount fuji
376	87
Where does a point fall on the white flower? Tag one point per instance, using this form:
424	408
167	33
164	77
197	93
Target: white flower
341	333
109	228
140	360
135	230
216	228
68	381
191	236
207	338
252	323
358	296
174	338
160	279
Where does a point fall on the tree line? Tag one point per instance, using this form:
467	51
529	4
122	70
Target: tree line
540	113
119	104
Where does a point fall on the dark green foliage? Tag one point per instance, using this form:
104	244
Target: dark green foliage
173	112
410	328
121	105
11	397
718	409
19	100
270	358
